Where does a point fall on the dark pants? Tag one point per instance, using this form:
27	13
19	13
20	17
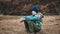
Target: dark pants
27	27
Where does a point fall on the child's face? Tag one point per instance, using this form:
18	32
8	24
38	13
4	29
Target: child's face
33	12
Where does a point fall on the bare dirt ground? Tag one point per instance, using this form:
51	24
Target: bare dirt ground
51	25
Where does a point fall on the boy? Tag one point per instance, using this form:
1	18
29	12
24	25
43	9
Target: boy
33	22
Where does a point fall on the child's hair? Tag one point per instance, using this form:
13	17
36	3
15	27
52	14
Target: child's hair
35	8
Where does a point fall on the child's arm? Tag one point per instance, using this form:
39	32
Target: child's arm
41	15
22	19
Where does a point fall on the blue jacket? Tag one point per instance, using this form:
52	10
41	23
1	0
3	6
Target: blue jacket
36	19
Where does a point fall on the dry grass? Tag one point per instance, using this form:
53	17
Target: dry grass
51	25
6	17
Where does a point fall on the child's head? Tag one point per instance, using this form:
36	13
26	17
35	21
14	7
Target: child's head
35	10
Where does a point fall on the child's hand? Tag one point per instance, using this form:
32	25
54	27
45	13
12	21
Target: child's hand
22	19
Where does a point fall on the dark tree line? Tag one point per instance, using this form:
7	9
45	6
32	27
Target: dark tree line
23	7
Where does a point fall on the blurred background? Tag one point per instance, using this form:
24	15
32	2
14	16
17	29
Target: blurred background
12	10
23	7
